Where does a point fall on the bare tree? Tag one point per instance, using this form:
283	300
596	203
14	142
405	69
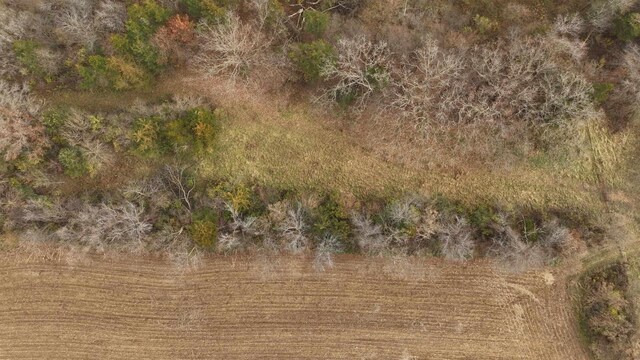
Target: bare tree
369	236
517	254
102	225
604	12
20	132
429	86
571	25
14	25
405	211
293	230
240	229
523	80
74	24
231	47
457	240
323	259
179	184
629	93
110	16
362	67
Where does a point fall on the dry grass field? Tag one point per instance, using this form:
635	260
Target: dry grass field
234	308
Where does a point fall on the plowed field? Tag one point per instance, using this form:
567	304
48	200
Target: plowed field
233	308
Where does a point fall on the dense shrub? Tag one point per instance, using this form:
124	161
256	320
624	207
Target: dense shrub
484	25
174	38
100	72
607	314
143	21
312	58
204	228
213	11
54	119
189	133
315	22
601	92
26	53
194	131
147	136
627	27
73	162
240	197
330	220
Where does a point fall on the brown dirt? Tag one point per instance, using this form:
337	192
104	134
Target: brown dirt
234	308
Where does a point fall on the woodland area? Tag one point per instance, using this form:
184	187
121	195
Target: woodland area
96	154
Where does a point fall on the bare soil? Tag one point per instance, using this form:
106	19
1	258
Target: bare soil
261	308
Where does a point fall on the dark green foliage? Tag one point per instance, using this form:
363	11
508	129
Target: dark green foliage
94	72
25	190
204	228
147	136
346	97
25	51
143	21
606	313
242	198
114	73
331	219
53	119
192	133
315	22
482	218
213	11
377	76
627	27
311	58
601	92
73	162
275	15
530	229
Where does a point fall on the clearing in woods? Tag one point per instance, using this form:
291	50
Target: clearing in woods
240	308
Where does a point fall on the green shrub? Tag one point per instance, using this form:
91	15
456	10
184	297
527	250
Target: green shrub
53	119
311	58
125	75
315	22
331	219
73	162
147	136
204	228
194	131
143	21
202	123
606	313
601	92
275	15
627	27
482	217
93	72
213	11
241	197
99	72
485	25
25	51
